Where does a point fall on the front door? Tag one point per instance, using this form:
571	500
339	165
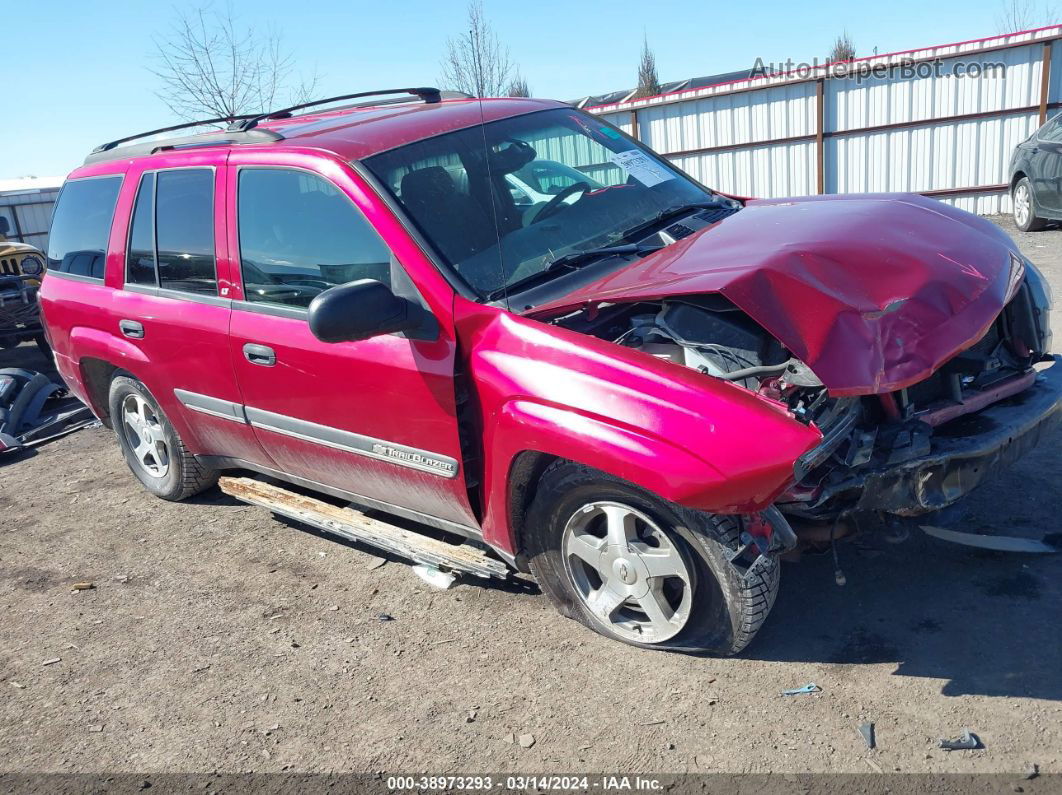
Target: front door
374	418
1047	168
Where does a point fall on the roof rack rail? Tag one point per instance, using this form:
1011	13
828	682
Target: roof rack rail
112	144
429	95
243	128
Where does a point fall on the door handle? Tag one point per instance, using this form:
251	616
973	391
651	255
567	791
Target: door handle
259	354
132	329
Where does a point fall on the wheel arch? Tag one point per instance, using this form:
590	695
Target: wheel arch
97	375
525	472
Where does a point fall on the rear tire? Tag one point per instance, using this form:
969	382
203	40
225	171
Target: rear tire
1024	207
152	448
684	567
43	346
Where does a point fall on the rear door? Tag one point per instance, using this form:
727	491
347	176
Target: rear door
374	418
174	307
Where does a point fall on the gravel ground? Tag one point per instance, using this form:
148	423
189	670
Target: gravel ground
219	639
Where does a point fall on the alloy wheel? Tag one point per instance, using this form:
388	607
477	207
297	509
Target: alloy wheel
632	576
1022	204
145	436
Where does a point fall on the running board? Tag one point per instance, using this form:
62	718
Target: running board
356	526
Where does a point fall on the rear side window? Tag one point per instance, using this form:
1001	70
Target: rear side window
184	230
300	235
140	260
81	226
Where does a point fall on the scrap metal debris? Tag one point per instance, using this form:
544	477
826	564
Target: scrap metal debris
1049	544
82	586
385	617
436	578
527	740
34	409
967	741
52	661
866	730
811	687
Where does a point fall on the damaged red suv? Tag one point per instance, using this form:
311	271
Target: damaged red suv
519	328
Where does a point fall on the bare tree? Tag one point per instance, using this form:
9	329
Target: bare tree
843	49
518	87
208	65
476	62
1018	15
648	80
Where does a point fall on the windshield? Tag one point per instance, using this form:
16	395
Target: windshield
555	182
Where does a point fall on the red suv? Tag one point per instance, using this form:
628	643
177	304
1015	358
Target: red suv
630	385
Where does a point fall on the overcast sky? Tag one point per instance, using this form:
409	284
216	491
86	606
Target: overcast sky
75	73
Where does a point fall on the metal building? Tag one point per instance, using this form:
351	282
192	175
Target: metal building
27	203
941	121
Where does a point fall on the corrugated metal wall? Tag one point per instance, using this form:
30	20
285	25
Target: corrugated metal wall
28	215
936	129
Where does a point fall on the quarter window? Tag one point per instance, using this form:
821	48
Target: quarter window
81	226
184	230
299	235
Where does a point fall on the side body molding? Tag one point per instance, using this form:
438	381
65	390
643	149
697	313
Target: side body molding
337	439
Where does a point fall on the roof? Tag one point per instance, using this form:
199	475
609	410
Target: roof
627	94
700	88
30	184
353	133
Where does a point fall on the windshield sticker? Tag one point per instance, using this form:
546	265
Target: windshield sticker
611	133
639	166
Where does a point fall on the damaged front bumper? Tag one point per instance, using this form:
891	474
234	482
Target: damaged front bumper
963	453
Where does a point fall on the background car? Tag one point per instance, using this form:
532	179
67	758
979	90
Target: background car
1036	178
21	269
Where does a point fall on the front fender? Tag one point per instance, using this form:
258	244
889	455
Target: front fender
629	453
702	443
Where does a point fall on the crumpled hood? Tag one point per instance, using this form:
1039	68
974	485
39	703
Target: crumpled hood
873	292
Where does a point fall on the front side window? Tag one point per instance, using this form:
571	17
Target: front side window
539	187
1052	131
299	235
184	230
81	226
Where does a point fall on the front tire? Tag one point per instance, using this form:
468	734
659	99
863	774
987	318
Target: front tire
1024	207
151	446
638	569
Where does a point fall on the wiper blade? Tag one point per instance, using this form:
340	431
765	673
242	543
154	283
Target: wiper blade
572	261
671	212
576	258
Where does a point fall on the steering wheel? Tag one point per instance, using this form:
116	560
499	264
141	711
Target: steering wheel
554	205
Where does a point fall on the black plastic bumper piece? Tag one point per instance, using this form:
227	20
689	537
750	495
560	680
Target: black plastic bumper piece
964	452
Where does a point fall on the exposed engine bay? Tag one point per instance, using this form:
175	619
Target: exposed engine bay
874	444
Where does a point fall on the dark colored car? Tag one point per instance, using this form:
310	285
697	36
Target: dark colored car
1036	178
629	388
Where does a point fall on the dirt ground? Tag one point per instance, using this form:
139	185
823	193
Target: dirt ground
219	639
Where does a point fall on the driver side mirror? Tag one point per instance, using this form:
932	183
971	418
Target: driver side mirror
360	310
